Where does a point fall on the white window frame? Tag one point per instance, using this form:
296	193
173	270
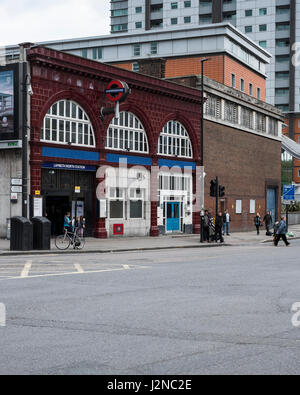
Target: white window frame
239	206
112	197
173	140
121	136
69	130
134	196
252	206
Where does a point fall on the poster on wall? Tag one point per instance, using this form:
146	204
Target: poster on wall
7	102
79	210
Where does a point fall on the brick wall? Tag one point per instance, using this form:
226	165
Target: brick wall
245	164
213	69
241	72
219	68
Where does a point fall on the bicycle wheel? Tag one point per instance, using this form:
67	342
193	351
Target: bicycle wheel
79	243
62	242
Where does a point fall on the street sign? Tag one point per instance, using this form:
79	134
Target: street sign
37	193
288	192
77	189
117	91
13	196
16	181
15	189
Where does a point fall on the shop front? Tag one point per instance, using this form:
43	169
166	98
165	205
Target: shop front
68	188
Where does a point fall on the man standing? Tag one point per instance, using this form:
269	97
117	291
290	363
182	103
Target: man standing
281	233
219	227
268	220
227	220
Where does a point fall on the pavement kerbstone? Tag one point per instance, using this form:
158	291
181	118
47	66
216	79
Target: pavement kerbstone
149	243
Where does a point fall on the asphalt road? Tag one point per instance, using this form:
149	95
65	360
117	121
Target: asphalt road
207	311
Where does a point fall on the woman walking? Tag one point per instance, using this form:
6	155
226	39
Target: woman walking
257	223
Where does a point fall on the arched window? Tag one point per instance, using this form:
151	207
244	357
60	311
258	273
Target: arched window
175	141
67	123
127	134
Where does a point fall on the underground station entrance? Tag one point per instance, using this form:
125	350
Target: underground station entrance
58	189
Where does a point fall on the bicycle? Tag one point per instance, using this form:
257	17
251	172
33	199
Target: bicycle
63	242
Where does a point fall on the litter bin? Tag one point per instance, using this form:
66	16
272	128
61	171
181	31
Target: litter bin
41	233
21	238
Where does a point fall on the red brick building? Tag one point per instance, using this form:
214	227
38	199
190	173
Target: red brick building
222	68
158	129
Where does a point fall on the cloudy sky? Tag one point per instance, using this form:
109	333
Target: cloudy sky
42	20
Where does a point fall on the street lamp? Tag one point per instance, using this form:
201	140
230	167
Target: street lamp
202	146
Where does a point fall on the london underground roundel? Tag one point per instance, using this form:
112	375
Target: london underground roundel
117	91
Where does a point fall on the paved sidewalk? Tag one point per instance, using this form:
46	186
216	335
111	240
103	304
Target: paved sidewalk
149	243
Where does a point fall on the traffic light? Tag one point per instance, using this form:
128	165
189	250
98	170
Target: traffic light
213	188
222	191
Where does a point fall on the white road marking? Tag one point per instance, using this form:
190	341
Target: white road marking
74	273
78	268
26	270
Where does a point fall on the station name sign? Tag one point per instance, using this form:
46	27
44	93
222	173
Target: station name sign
64	166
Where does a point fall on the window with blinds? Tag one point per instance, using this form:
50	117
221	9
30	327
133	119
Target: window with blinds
247	118
261	122
231	112
213	106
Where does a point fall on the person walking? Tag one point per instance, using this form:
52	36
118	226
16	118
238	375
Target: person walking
81	226
206	220
281	233
257	223
219	228
268	220
227	220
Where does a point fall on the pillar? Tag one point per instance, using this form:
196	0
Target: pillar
100	225
154	231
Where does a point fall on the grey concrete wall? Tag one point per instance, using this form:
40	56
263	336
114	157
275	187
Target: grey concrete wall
294	218
10	167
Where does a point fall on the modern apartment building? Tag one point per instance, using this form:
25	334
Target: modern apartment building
272	24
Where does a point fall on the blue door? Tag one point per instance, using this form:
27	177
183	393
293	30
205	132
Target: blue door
272	203
173	217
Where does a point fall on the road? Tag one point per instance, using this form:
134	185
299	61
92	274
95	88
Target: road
172	312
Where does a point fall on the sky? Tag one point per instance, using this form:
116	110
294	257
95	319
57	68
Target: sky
47	20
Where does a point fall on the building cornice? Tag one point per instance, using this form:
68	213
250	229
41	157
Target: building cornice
101	71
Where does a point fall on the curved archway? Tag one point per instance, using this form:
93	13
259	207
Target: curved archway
66	122
189	130
174	140
71	96
127	133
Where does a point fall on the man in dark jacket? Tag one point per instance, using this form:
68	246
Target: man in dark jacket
268	220
219	227
281	233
